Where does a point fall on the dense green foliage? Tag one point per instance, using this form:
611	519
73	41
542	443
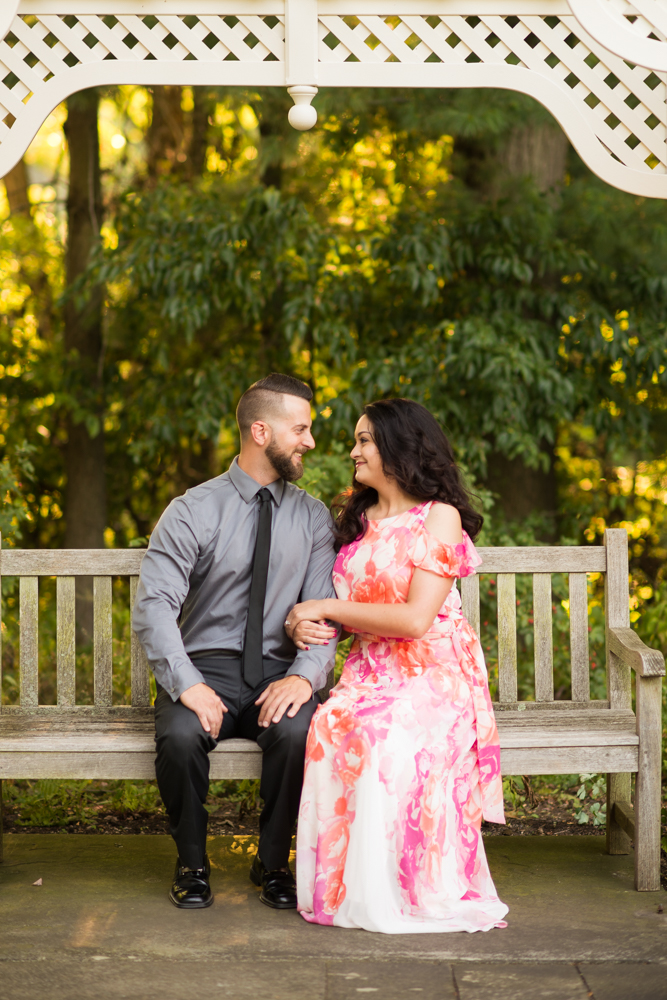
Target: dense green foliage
386	253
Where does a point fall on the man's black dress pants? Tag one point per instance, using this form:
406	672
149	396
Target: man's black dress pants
182	764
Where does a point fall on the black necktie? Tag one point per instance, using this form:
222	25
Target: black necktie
252	666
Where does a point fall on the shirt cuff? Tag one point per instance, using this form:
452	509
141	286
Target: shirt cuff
176	680
309	672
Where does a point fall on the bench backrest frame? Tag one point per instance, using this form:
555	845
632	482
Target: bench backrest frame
610	559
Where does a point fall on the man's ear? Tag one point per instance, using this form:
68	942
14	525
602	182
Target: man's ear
260	432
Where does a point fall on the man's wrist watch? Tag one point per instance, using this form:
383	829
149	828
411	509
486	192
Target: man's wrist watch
305	679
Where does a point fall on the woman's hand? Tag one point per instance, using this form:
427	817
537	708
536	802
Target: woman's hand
307	634
306	624
312	611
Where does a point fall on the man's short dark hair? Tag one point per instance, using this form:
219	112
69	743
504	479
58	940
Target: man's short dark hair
262	401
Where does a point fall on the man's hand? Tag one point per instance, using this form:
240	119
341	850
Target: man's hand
289	692
207	706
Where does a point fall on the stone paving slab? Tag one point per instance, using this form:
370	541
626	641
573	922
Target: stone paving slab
105	978
101	926
516	982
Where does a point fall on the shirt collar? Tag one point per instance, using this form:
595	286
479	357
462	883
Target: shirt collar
248	487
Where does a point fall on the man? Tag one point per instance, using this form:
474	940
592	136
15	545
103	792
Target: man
225	564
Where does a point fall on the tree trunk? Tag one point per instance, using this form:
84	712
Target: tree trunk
166	138
539	151
524	490
86	498
16	185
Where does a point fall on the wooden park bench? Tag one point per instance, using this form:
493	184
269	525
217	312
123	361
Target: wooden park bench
544	736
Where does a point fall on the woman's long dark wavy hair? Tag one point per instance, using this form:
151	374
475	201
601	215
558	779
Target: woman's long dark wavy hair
414	452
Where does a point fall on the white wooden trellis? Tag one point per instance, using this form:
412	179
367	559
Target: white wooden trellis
611	104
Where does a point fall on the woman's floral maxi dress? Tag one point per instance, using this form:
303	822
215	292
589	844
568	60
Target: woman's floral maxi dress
403	760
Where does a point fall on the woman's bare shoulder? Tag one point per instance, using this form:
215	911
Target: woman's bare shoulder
444	521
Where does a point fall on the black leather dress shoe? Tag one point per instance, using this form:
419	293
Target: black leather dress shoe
278	888
190	889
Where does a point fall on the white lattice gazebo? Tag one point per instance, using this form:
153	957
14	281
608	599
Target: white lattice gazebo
597	65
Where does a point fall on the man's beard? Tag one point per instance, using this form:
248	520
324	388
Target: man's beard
288	468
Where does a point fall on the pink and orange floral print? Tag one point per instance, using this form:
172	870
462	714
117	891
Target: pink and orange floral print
403	760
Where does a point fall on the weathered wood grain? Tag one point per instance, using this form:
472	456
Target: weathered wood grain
116	740
619	789
470	601
107	766
66	640
248	765
141	685
624	815
546	559
597	705
579	656
78	734
634	653
102	640
71	562
82	713
619	682
507	661
648	784
543	632
29	638
617	614
127	562
569	760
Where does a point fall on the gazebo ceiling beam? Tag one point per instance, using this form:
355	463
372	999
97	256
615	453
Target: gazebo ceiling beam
611	107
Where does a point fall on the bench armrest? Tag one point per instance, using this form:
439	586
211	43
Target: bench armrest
630	649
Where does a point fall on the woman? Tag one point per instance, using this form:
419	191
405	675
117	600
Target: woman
403	759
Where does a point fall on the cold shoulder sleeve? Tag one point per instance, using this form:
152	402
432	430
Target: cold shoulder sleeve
429	553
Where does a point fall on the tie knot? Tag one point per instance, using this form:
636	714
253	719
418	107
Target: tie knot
264	495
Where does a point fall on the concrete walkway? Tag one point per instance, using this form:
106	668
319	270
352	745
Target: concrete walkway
100	926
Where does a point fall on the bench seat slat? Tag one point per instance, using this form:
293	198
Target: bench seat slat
534	760
544	730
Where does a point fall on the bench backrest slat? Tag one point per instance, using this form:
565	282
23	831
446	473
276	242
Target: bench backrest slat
543	637
617	610
507	658
470	600
29	640
102	640
580	666
141	688
66	640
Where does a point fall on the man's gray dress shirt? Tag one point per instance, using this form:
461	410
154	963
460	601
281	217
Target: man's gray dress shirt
195	577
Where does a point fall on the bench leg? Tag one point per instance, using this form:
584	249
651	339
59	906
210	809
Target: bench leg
1	856
619	788
647	787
